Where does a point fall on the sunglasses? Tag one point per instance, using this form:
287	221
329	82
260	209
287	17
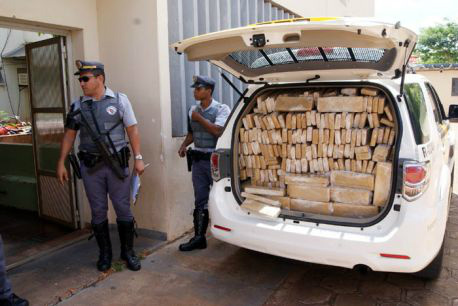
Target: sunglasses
85	78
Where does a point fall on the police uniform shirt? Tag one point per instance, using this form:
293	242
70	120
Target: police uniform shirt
125	112
221	117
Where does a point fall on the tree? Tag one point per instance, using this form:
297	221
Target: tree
439	44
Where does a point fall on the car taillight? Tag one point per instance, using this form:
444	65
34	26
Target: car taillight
415	180
216	174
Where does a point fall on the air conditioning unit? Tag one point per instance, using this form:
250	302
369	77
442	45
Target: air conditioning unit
23	77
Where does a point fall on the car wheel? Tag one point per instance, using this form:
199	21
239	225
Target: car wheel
433	270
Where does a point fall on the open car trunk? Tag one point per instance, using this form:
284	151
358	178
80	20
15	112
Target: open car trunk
323	151
317	152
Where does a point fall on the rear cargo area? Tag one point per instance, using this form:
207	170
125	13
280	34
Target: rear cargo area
323	152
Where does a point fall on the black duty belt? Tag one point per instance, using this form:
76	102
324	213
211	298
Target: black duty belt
199	155
90	159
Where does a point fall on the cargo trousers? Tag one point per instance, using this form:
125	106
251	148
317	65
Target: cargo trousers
202	182
5	285
100	182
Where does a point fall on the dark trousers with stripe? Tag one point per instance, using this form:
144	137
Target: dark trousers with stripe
101	182
202	182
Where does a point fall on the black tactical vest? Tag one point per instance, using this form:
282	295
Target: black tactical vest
107	114
202	138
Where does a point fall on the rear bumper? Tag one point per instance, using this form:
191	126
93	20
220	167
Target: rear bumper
418	237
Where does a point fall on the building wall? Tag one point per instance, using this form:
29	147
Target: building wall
131	38
330	8
442	82
128	40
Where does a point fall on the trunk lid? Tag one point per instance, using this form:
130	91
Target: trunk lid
299	49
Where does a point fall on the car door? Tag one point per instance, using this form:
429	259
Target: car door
442	125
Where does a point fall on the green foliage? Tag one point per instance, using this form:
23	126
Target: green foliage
118	266
439	44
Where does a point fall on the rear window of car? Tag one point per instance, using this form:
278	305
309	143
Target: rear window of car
417	112
261	58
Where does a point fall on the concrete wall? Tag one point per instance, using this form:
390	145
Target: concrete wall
442	82
330	8
75	15
131	38
128	39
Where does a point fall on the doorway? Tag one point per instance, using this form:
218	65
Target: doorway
36	211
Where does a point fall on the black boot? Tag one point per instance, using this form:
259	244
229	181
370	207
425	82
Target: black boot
102	235
14	300
200	228
126	236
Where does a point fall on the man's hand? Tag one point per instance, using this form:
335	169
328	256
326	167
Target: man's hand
62	173
182	151
196	116
139	166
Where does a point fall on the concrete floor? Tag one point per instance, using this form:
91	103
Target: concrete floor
59	275
227	275
25	234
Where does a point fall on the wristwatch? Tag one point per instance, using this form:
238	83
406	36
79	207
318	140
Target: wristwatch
138	157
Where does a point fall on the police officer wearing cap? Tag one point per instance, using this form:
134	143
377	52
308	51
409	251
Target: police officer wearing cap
7	297
205	124
107	115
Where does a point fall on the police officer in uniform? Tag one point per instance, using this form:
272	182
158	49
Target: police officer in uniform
108	115
7	297
205	124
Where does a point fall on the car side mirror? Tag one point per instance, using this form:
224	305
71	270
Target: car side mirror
453	113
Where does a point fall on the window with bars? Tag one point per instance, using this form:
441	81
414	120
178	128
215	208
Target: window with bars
279	56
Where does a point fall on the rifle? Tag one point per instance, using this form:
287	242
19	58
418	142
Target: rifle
75	165
101	146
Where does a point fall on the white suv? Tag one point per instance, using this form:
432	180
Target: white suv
334	57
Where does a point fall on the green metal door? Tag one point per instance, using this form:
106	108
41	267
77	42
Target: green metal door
49	100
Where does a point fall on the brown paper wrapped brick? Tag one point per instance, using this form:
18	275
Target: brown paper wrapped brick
340	104
353	210
382	189
312	207
294	104
351	195
261	209
308	192
352	180
369	92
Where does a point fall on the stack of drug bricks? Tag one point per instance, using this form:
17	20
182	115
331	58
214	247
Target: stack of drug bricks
324	152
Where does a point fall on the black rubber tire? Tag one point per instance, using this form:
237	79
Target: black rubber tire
433	270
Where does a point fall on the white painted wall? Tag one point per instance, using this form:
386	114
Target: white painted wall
134	47
442	82
128	39
131	38
330	8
